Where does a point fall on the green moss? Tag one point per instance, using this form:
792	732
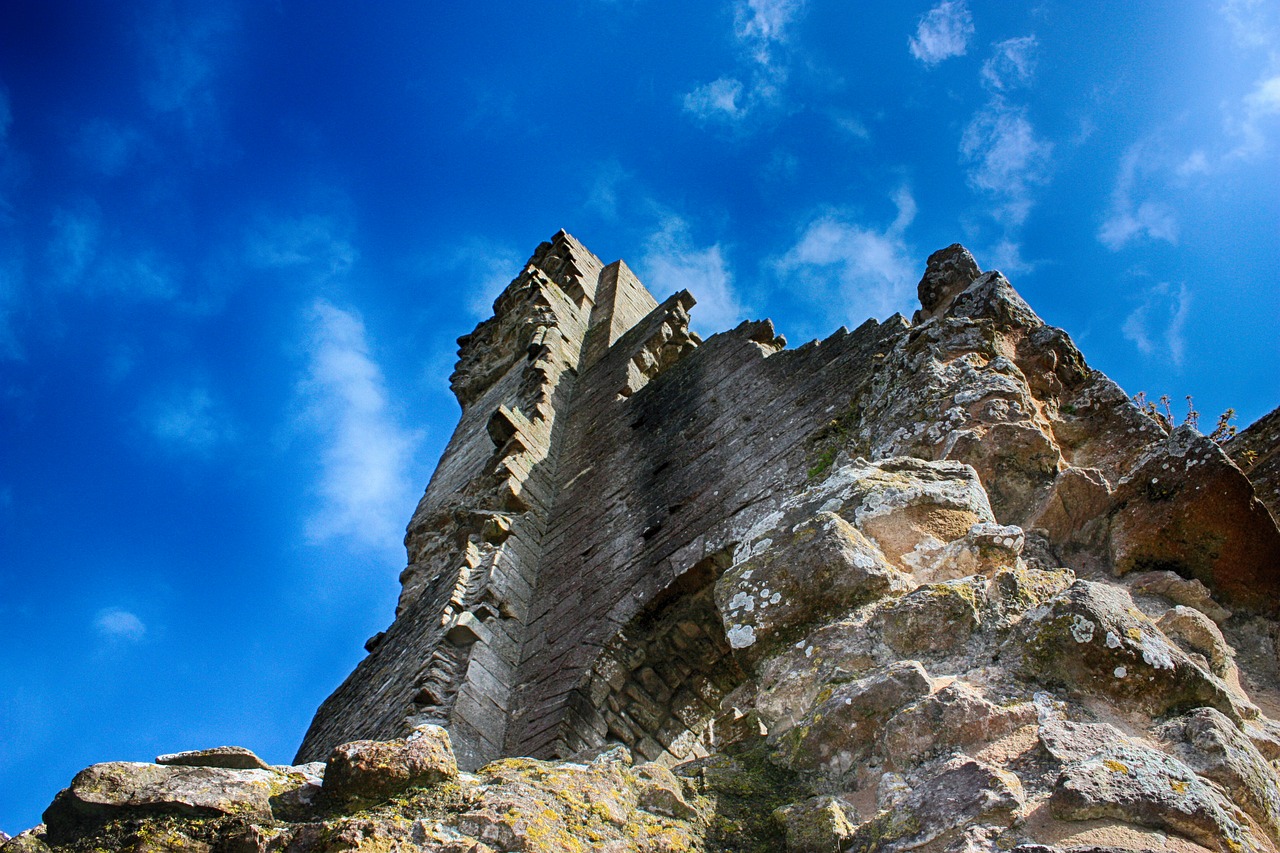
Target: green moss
745	789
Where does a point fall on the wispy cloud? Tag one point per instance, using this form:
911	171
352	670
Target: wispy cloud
316	243
1259	112
366	454
1252	22
762	24
120	625
1005	159
1012	64
183	45
189	420
672	261
761	28
1130	218
872	271
81	257
107	147
481	269
943	32
719	99
1156	326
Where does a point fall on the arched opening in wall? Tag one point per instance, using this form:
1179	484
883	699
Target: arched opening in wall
658	683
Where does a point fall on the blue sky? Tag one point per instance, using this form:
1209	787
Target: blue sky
238	240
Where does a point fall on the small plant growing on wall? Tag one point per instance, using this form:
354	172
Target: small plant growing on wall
1162	413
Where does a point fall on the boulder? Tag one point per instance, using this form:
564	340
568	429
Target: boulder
964	793
1214	747
818	824
1187	508
947	273
956	717
125	789
1196	633
844	730
1139	785
935	619
819	568
377	770
1092	639
985	549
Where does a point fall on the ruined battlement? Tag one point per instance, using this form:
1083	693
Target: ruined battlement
608	465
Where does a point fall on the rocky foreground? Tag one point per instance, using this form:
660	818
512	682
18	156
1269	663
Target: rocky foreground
918	674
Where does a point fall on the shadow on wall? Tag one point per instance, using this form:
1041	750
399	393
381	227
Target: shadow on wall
657	685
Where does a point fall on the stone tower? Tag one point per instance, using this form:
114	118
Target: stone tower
609	467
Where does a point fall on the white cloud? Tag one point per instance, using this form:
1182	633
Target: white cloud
1156	326
1006	256
1012	65
719	99
1129	219
759	24
1253	22
1259	109
872	270
1006	159
671	262
364	483
943	32
189	420
115	623
761	28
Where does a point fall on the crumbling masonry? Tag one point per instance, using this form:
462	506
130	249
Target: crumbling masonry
608	465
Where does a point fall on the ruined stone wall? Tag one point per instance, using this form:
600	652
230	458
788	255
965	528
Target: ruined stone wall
608	464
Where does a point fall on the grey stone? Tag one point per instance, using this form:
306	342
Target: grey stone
231	757
1142	786
130	789
1214	747
377	770
965	792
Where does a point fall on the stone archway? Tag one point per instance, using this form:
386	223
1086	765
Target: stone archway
656	686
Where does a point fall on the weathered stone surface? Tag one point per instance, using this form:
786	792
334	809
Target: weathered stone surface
1092	639
1139	785
376	770
818	824
1256	449
1186	507
814	570
1179	590
964	792
231	757
984	550
957	717
935	619
1195	632
948	272
29	841
1210	744
127	789
844	730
